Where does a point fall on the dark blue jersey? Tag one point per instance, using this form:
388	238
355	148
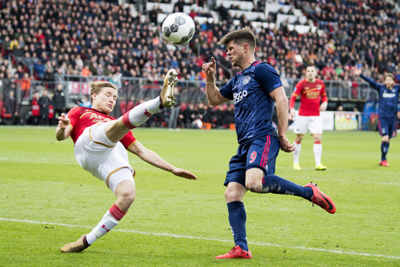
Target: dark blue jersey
387	98
254	107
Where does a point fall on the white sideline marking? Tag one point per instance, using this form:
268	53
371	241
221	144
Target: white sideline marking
211	239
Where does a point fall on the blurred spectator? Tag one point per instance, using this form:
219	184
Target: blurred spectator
35	113
44	103
59	101
85	102
174	111
11	106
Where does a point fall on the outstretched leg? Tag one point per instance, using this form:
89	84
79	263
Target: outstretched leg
257	182
137	116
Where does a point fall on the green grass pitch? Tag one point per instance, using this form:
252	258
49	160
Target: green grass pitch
47	200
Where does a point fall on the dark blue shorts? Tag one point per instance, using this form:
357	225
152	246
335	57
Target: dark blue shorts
260	153
387	126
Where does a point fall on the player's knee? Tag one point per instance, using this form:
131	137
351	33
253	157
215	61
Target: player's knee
129	197
126	199
229	195
299	138
252	186
317	137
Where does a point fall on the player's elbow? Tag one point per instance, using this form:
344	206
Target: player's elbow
213	102
282	101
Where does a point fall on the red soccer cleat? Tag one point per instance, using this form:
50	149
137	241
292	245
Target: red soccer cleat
384	163
236	253
321	199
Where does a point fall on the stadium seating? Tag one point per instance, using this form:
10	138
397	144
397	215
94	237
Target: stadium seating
291	34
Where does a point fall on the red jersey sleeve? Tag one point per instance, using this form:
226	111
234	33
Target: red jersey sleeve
299	87
128	140
324	97
73	115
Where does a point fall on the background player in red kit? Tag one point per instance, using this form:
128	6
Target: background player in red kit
101	142
312	92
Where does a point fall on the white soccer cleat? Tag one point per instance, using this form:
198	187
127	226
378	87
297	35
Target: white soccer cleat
167	92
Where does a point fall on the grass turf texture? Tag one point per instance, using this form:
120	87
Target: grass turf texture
175	221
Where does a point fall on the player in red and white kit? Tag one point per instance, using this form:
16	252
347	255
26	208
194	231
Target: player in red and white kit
101	144
312	92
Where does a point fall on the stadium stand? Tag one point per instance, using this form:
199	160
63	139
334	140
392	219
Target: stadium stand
72	42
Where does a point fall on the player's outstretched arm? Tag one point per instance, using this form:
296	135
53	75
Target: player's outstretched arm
281	101
213	94
358	71
154	159
63	130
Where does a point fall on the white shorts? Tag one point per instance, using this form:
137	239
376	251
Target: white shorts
311	123
104	159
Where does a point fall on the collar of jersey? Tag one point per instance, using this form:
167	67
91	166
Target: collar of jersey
249	67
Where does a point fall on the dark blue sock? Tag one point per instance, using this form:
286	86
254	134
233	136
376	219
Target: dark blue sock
237	219
384	150
277	185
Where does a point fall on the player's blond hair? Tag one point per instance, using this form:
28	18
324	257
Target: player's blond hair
240	37
96	87
388	74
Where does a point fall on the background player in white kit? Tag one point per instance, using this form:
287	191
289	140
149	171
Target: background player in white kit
101	142
312	92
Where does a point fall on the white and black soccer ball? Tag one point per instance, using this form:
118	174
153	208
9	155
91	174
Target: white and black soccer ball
178	28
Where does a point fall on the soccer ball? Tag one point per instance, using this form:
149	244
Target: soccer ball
178	28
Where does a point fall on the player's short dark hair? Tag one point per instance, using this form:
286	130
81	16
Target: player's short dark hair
240	37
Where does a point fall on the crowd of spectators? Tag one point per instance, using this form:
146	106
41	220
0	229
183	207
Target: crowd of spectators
40	39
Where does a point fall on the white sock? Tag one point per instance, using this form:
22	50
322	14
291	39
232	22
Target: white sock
317	153
141	113
296	153
107	223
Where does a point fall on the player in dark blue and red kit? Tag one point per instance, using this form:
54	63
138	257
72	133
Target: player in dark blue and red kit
254	91
388	99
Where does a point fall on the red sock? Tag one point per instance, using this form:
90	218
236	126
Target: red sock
116	212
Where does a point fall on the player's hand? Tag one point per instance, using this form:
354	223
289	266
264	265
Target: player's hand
285	145
357	71
63	121
184	173
323	106
210	67
292	114
398	115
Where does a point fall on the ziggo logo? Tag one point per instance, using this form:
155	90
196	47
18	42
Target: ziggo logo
237	97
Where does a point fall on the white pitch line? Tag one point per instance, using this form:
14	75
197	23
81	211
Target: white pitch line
212	239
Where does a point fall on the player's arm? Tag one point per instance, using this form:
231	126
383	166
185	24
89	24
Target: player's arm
154	159
292	101
281	102
214	96
63	130
324	99
358	71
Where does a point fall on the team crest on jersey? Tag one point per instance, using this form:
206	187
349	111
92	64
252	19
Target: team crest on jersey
319	87
246	80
